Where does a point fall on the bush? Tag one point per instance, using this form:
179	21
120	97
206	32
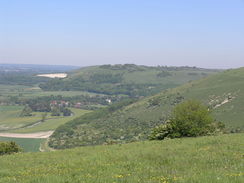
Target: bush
9	148
188	119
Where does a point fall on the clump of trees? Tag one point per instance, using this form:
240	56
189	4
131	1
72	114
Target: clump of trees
163	74
58	111
9	148
188	119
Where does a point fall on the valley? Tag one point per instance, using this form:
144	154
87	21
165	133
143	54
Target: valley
134	121
113	123
25	86
121	91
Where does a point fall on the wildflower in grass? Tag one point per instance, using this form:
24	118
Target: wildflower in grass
119	176
235	174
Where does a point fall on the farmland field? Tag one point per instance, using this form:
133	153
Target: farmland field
30	92
11	121
10	118
189	160
27	144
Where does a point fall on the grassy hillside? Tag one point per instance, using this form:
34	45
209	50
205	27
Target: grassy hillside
188	160
126	79
223	93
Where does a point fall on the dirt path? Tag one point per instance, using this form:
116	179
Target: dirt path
38	135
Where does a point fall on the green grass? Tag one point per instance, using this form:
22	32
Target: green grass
22	91
31	93
27	144
11	121
189	160
10	118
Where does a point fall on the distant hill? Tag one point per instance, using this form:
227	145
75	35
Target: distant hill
128	79
25	74
223	93
36	68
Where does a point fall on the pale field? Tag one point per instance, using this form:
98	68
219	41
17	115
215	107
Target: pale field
55	75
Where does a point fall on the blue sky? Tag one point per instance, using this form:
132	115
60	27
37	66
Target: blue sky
203	33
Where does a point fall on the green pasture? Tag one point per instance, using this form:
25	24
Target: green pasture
11	121
27	144
32	92
10	118
189	160
52	123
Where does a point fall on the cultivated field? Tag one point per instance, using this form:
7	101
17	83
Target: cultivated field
22	91
11	121
54	75
27	144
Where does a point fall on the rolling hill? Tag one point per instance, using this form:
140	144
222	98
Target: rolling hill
128	79
223	93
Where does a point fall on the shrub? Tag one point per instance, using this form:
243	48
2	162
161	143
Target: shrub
160	132
9	148
188	119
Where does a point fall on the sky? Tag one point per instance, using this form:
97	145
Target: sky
202	33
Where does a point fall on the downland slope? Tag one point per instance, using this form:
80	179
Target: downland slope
223	93
128	79
188	160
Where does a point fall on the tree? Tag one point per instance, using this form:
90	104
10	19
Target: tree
55	111
9	148
44	116
26	111
66	112
188	119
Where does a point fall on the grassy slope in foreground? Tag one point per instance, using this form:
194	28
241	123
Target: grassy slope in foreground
224	92
189	160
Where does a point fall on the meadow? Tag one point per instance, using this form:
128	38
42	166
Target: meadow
10	118
51	123
210	159
12	122
23	91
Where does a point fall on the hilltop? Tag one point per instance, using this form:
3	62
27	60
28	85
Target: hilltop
128	79
223	93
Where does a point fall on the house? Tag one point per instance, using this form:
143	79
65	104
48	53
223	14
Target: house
78	105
